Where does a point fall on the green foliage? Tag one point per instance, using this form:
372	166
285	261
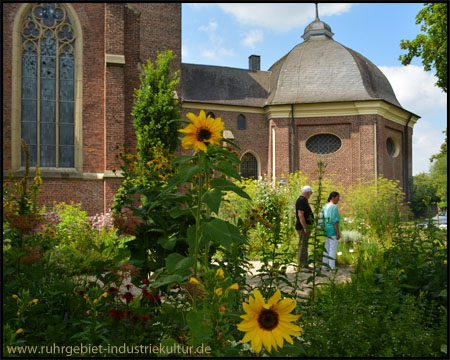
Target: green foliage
155	109
393	307
423	192
79	247
438	174
376	207
431	46
20	198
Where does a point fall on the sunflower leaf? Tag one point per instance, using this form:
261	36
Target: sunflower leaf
168	279
228	169
177	263
226	185
187	171
213	199
221	232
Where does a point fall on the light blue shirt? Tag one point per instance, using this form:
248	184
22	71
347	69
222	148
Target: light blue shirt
331	216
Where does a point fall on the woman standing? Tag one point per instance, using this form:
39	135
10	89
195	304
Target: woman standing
331	229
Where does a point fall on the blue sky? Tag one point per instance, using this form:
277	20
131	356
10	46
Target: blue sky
226	34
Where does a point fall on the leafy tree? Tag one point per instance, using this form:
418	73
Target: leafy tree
156	112
156	120
431	46
438	173
423	191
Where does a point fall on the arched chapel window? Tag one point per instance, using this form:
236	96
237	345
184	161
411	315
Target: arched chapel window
47	86
249	166
241	122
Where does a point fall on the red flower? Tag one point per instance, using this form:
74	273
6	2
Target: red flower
145	281
129	286
144	292
128	297
176	286
113	290
117	313
80	292
151	297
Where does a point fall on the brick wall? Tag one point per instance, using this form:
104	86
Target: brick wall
136	31
92	18
388	166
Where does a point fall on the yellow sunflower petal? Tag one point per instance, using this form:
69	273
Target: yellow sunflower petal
288	317
194	118
258	298
248	309
278	336
285	306
257	341
247	325
200	145
254	305
267	340
249	336
275	298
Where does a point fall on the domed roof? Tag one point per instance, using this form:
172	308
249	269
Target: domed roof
323	70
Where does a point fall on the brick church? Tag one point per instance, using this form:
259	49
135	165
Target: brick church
70	70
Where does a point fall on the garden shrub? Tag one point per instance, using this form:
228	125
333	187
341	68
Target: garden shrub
377	207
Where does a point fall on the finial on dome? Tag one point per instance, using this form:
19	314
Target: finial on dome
317	29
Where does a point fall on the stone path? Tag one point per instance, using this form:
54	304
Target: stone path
343	274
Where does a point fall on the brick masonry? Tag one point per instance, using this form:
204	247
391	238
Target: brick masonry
137	31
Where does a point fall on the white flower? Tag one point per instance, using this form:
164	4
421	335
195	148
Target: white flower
339	253
351	250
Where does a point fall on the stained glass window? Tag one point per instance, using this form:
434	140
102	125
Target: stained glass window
249	166
323	144
48	96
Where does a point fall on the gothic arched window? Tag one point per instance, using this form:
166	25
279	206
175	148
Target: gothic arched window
241	122
48	86
249	166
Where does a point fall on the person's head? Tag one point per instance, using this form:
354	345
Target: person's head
307	191
334	197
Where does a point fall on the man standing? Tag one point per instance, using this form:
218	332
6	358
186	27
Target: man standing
304	217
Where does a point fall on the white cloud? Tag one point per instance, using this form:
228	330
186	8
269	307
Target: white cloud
416	92
427	140
280	16
252	37
415	89
212	26
216	53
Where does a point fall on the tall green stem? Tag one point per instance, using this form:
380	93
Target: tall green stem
197	228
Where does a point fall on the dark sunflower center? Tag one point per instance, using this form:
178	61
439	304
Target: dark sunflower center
203	135
268	319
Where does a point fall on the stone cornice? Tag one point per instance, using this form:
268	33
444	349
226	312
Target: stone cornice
373	107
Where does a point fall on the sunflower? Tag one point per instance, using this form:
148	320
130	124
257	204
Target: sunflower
268	324
203	130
